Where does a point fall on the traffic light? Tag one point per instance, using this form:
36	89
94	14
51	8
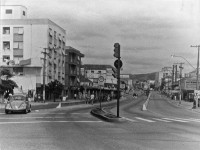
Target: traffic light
116	50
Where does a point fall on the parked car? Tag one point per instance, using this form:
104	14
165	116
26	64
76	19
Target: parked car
18	103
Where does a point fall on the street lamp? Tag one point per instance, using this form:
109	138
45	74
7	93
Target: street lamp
184	59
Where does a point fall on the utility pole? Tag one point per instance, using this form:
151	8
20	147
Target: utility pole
197	82
173	78
44	70
180	77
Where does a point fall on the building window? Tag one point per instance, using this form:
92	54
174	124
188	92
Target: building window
6	58
18	45
8	11
18	30
24	13
17	59
55	38
6	30
18	71
6	45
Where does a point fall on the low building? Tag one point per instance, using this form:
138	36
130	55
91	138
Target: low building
125	78
96	71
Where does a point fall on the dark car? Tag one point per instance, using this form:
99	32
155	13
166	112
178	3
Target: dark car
18	103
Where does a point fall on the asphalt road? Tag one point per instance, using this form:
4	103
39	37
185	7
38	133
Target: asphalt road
163	126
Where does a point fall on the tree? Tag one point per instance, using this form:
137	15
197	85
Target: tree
163	83
55	87
6	83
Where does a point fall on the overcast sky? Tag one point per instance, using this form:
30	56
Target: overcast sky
149	31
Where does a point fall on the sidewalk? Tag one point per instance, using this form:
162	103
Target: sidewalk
51	104
184	104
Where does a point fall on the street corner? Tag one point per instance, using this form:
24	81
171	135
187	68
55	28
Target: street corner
103	115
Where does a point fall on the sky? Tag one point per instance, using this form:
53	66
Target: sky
149	31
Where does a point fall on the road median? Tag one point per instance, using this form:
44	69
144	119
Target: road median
144	106
104	115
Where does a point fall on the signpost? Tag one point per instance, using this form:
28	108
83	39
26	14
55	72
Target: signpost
101	82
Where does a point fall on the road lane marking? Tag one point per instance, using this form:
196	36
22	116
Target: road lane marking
161	120
144	119
32	118
79	113
38	113
31	122
178	120
131	120
191	119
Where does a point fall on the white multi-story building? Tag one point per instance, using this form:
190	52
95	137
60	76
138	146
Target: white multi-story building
31	39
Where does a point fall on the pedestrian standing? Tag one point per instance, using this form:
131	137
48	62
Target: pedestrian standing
92	98
195	100
74	95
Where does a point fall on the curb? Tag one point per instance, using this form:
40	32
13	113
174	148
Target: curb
49	105
100	113
144	106
182	106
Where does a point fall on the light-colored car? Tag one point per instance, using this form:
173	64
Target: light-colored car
18	103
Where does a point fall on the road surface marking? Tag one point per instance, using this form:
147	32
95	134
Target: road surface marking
161	120
48	113
178	120
79	113
131	120
144	119
31	122
32	118
191	119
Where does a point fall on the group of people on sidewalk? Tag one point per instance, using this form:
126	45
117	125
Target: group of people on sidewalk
91	98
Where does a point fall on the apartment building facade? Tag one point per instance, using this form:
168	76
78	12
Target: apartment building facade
72	70
33	40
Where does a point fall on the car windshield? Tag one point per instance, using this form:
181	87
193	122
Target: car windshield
18	98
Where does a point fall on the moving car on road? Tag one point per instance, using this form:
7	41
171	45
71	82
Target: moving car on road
18	103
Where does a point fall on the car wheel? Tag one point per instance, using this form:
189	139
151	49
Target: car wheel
6	111
25	111
30	109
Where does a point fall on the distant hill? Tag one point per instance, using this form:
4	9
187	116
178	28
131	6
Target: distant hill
141	77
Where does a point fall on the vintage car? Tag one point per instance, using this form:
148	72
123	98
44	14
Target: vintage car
18	103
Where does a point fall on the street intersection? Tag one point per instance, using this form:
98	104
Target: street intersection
162	126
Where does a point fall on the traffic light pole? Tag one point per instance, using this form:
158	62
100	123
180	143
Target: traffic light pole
118	65
118	86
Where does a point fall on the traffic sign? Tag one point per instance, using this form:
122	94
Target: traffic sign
101	80
116	63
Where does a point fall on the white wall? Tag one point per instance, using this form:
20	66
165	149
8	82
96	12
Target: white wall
17	12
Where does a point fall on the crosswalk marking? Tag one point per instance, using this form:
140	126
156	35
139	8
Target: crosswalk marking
131	120
161	120
178	120
166	120
144	119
